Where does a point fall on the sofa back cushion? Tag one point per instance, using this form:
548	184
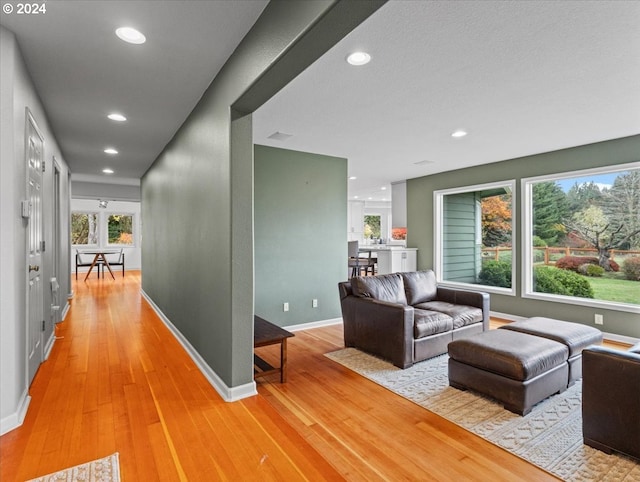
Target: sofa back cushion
420	286
386	287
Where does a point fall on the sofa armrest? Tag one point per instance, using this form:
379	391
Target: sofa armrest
610	399
477	299
380	328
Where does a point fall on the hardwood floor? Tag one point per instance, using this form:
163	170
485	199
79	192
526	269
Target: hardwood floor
117	381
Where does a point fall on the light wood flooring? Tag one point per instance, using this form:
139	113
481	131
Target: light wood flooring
117	381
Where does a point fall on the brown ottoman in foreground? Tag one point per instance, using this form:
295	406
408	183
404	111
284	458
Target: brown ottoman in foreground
516	369
574	335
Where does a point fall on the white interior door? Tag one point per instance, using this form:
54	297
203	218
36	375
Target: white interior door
35	295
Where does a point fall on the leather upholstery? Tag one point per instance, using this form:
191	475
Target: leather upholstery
386	287
514	355
462	315
611	399
378	319
420	286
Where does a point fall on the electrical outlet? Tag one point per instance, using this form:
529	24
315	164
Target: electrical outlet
599	319
314	303
285	307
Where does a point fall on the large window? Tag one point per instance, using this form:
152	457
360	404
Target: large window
582	237
120	229
474	236
102	229
84	229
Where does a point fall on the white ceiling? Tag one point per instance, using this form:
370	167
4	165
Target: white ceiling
521	77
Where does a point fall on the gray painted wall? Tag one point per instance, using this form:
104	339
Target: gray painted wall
300	247
197	206
421	221
16	93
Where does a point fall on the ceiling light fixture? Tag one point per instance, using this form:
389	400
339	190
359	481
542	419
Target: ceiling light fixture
384	188
359	58
107	171
131	35
353	178
117	117
279	136
102	204
110	150
459	133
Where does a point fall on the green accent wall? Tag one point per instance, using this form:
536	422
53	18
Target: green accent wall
420	221
300	249
197	197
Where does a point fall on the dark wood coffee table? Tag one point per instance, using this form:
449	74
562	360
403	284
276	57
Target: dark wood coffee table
266	333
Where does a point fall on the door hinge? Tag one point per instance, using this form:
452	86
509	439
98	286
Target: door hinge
44	166
42	245
42	325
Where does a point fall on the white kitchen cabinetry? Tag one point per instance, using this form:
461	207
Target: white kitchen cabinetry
355	228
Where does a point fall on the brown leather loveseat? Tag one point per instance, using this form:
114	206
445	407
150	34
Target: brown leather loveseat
407	317
611	399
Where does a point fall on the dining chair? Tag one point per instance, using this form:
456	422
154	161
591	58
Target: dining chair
356	263
119	261
84	259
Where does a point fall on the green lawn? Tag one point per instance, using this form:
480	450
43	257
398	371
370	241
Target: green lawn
613	287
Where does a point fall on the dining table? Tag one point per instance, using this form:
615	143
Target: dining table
99	257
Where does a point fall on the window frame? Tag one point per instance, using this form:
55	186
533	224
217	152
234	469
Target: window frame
527	239
102	230
438	262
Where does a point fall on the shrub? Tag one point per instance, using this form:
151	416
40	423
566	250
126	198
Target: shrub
561	282
538	242
573	263
631	268
496	273
592	270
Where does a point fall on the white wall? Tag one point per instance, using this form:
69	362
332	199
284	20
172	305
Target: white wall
16	94
132	253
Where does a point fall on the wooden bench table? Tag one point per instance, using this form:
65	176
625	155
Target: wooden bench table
264	334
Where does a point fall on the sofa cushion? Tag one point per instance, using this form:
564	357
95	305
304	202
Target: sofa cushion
387	287
426	323
462	315
420	286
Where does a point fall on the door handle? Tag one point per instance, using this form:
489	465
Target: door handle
34	268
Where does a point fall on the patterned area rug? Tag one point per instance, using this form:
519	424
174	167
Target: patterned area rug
106	469
550	436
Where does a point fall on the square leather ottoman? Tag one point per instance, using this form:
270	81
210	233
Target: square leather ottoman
517	369
574	335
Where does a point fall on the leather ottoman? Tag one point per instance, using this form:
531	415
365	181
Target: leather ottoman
517	369
574	335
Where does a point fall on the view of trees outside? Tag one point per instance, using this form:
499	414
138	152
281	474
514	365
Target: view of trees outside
372	226
84	228
586	236
120	228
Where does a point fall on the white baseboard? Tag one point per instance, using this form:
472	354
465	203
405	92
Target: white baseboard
13	421
607	336
314	324
228	394
65	310
49	345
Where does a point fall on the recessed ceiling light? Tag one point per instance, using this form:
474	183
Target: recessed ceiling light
110	150
107	171
131	35
353	178
355	197
359	58
384	188
459	133
117	117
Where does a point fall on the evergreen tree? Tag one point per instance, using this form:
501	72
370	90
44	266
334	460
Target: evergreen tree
550	207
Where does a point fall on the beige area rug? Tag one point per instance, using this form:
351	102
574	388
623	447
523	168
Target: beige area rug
550	436
106	469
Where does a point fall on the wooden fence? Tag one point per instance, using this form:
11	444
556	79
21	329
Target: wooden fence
494	253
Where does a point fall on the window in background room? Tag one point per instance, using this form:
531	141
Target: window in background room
84	229
372	226
474	236
120	229
582	237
